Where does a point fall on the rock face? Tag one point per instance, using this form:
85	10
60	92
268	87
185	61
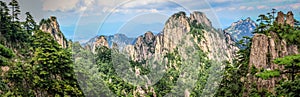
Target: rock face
175	33
290	18
280	17
264	50
101	41
200	18
144	47
241	28
174	30
51	26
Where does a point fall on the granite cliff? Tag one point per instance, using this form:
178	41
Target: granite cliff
266	48
51	26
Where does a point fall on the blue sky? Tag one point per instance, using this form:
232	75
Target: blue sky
81	20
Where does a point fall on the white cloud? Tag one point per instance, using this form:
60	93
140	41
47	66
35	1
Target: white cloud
143	3
59	5
242	7
295	6
262	7
250	8
221	1
231	8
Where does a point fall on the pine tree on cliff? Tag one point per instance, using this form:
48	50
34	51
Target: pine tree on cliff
291	65
52	68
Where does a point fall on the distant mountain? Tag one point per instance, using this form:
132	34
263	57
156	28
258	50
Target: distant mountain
120	39
241	28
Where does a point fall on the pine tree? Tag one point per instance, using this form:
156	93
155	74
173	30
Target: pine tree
52	69
5	24
289	87
15	10
29	25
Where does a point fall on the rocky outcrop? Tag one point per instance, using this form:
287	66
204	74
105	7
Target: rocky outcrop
280	18
143	48
175	33
264	50
175	28
200	18
51	26
290	18
101	41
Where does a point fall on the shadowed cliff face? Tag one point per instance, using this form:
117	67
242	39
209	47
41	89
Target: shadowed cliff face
265	49
51	26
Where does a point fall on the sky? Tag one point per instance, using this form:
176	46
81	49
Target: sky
81	20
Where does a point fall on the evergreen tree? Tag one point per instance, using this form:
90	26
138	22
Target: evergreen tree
29	25
5	31
15	10
52	68
289	87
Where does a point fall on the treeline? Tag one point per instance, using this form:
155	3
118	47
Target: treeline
32	62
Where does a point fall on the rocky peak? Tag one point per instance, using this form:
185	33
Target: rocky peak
248	19
101	41
241	28
175	33
280	18
149	37
174	30
200	18
143	48
290	18
51	26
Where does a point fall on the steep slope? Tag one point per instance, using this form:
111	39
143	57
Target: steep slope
51	26
187	38
243	27
179	29
266	48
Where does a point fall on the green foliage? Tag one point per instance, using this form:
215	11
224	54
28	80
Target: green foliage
5	54
15	9
29	25
288	89
291	64
234	77
52	67
197	30
268	74
253	70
